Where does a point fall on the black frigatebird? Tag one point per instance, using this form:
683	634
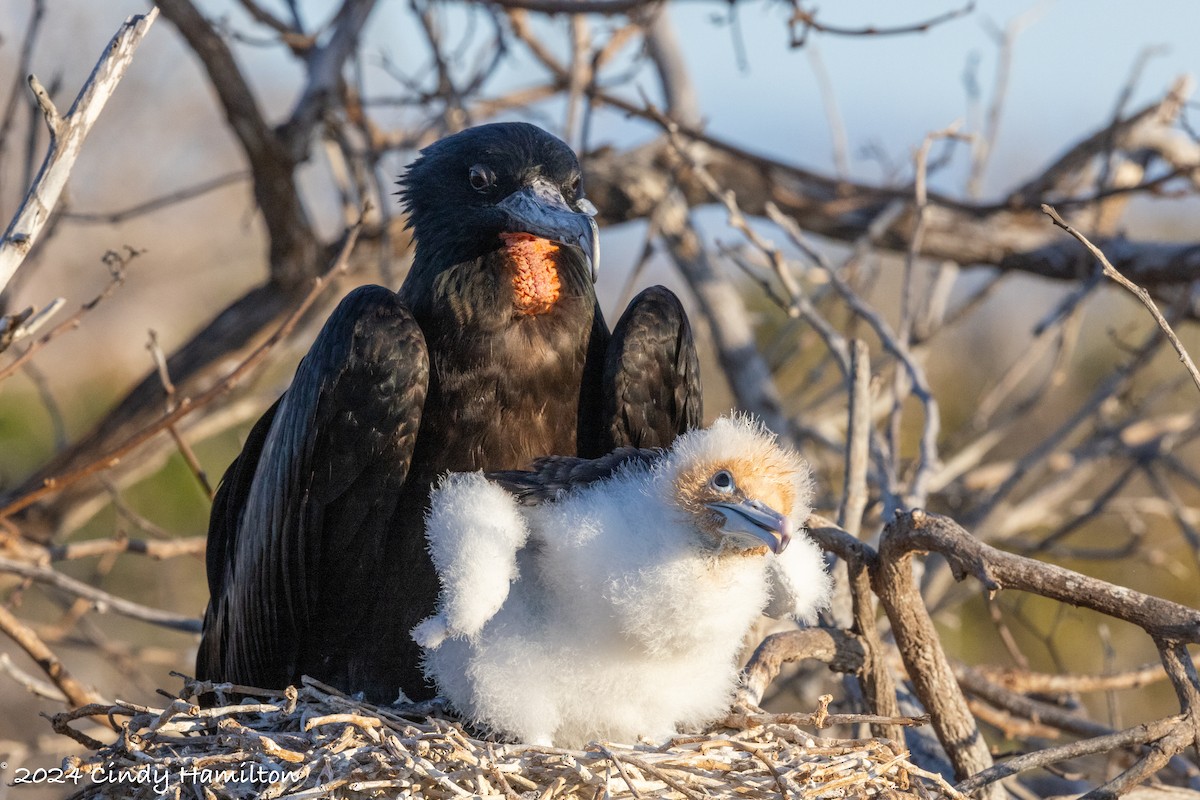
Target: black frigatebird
493	353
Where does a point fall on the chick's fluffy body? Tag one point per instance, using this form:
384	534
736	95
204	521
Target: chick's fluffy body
616	611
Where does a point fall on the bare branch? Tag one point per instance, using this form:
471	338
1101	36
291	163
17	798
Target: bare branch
575	6
858	440
926	662
1141	294
1137	735
185	450
325	66
154	204
76	693
67	135
807	21
117	265
842	651
101	600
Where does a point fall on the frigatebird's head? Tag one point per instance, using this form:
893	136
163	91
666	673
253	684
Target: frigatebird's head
508	185
741	489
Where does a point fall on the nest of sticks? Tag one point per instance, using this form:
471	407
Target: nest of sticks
315	742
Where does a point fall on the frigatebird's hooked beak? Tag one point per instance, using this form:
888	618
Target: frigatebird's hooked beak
757	519
540	209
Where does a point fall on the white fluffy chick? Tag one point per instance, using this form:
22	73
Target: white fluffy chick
608	599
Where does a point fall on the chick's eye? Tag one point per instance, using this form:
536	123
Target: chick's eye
482	178
722	482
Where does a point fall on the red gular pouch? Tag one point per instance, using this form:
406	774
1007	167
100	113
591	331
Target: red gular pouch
534	272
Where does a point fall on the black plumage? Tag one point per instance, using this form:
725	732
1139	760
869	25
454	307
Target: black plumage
492	354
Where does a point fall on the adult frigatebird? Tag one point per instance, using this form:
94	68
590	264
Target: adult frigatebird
493	353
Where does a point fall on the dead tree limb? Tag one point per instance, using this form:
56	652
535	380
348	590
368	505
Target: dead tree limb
996	570
861	561
1007	235
926	662
1137	735
67	135
1169	624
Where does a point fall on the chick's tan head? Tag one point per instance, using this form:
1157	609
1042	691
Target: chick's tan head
743	491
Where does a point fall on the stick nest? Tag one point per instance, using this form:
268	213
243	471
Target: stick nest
315	742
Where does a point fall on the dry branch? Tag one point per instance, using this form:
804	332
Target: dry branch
67	135
116	264
1007	235
841	650
100	599
1169	625
926	662
1141	294
32	644
1137	735
295	254
996	570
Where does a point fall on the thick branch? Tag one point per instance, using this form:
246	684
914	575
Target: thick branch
325	75
924	658
295	254
997	570
1009	235
841	650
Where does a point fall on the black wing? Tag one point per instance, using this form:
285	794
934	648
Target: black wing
551	476
651	373
301	518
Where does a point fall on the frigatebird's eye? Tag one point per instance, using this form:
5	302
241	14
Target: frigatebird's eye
722	482
482	178
575	185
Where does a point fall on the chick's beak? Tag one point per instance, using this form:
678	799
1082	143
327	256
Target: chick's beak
540	209
756	519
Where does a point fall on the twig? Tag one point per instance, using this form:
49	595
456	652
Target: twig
32	28
986	141
807	21
31	684
158	550
189	455
903	381
575	6
154	204
854	477
861	562
837	126
1141	294
117	266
